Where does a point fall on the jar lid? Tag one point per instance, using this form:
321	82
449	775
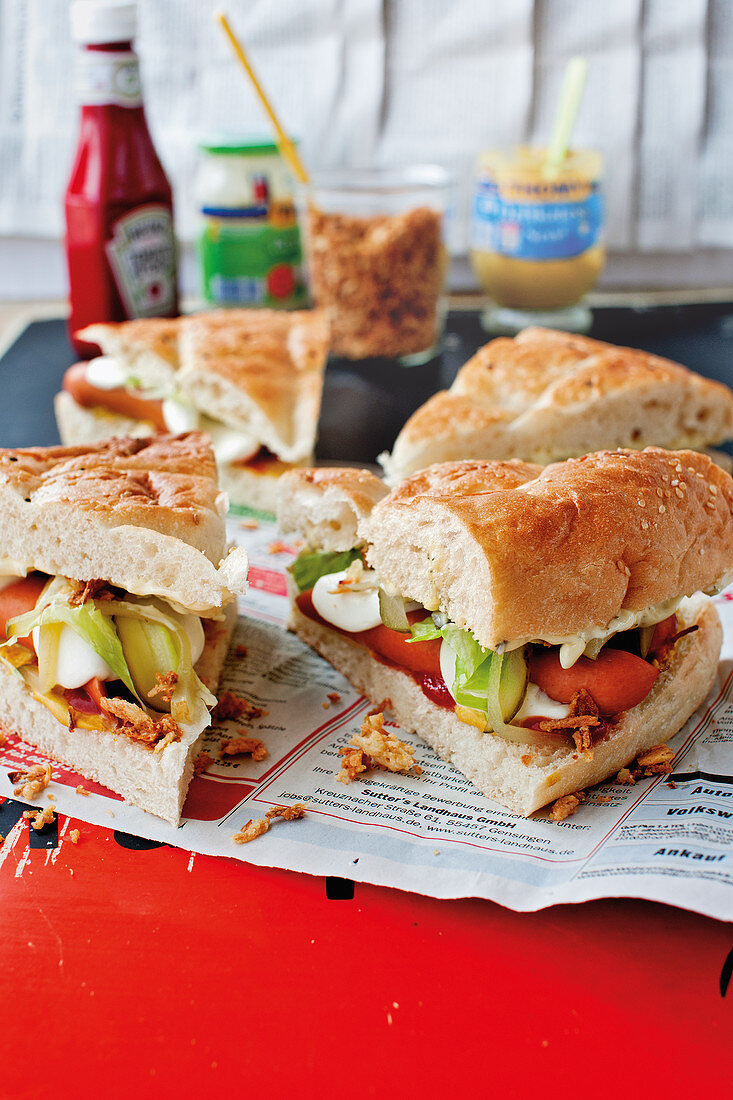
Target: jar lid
238	145
94	22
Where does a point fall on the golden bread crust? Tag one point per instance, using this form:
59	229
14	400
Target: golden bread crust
158	335
167	483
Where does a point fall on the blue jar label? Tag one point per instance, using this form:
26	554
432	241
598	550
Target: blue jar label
547	220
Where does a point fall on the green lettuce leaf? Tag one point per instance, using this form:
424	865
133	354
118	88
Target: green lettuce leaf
476	670
425	631
96	629
308	568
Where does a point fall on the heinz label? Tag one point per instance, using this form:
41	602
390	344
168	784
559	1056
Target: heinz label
142	257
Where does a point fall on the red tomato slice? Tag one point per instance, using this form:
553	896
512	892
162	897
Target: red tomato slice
19	597
97	690
420	657
617	680
119	401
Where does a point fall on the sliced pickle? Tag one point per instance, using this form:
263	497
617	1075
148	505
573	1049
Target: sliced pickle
392	612
513	683
149	650
49	637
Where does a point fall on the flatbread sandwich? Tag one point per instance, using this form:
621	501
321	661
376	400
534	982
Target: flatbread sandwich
251	379
117	601
546	395
539	628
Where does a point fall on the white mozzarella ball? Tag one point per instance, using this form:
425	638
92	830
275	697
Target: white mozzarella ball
348	609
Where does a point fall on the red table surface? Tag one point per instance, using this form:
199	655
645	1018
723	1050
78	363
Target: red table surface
147	973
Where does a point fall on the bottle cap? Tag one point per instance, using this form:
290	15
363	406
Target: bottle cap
94	22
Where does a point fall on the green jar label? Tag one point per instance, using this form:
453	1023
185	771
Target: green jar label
247	261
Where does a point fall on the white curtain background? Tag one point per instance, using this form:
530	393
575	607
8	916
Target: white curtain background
392	82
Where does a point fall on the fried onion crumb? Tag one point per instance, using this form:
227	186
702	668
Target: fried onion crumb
583	718
139	726
74	836
654	761
239	746
90	590
566	806
40	818
82	790
30	783
258	825
241	651
202	762
165	685
375	747
230	707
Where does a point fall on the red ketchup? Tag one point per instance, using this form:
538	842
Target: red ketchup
120	246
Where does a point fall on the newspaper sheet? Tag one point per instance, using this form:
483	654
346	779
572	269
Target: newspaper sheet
668	838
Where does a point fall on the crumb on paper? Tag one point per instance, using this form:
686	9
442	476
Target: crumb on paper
333	697
51	797
202	762
657	760
249	524
566	806
278	547
672	785
654	761
257	826
74	836
240	746
241	651
40	818
30	783
165	685
139	726
82	790
375	747
230	707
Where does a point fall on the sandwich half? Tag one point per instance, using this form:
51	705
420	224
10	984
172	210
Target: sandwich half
251	379
545	396
539	628
117	601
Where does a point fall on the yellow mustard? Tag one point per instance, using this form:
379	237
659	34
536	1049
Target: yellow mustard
537	237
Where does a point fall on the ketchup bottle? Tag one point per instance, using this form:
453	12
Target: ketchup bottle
120	246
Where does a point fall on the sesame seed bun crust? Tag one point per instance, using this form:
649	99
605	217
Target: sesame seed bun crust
513	552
